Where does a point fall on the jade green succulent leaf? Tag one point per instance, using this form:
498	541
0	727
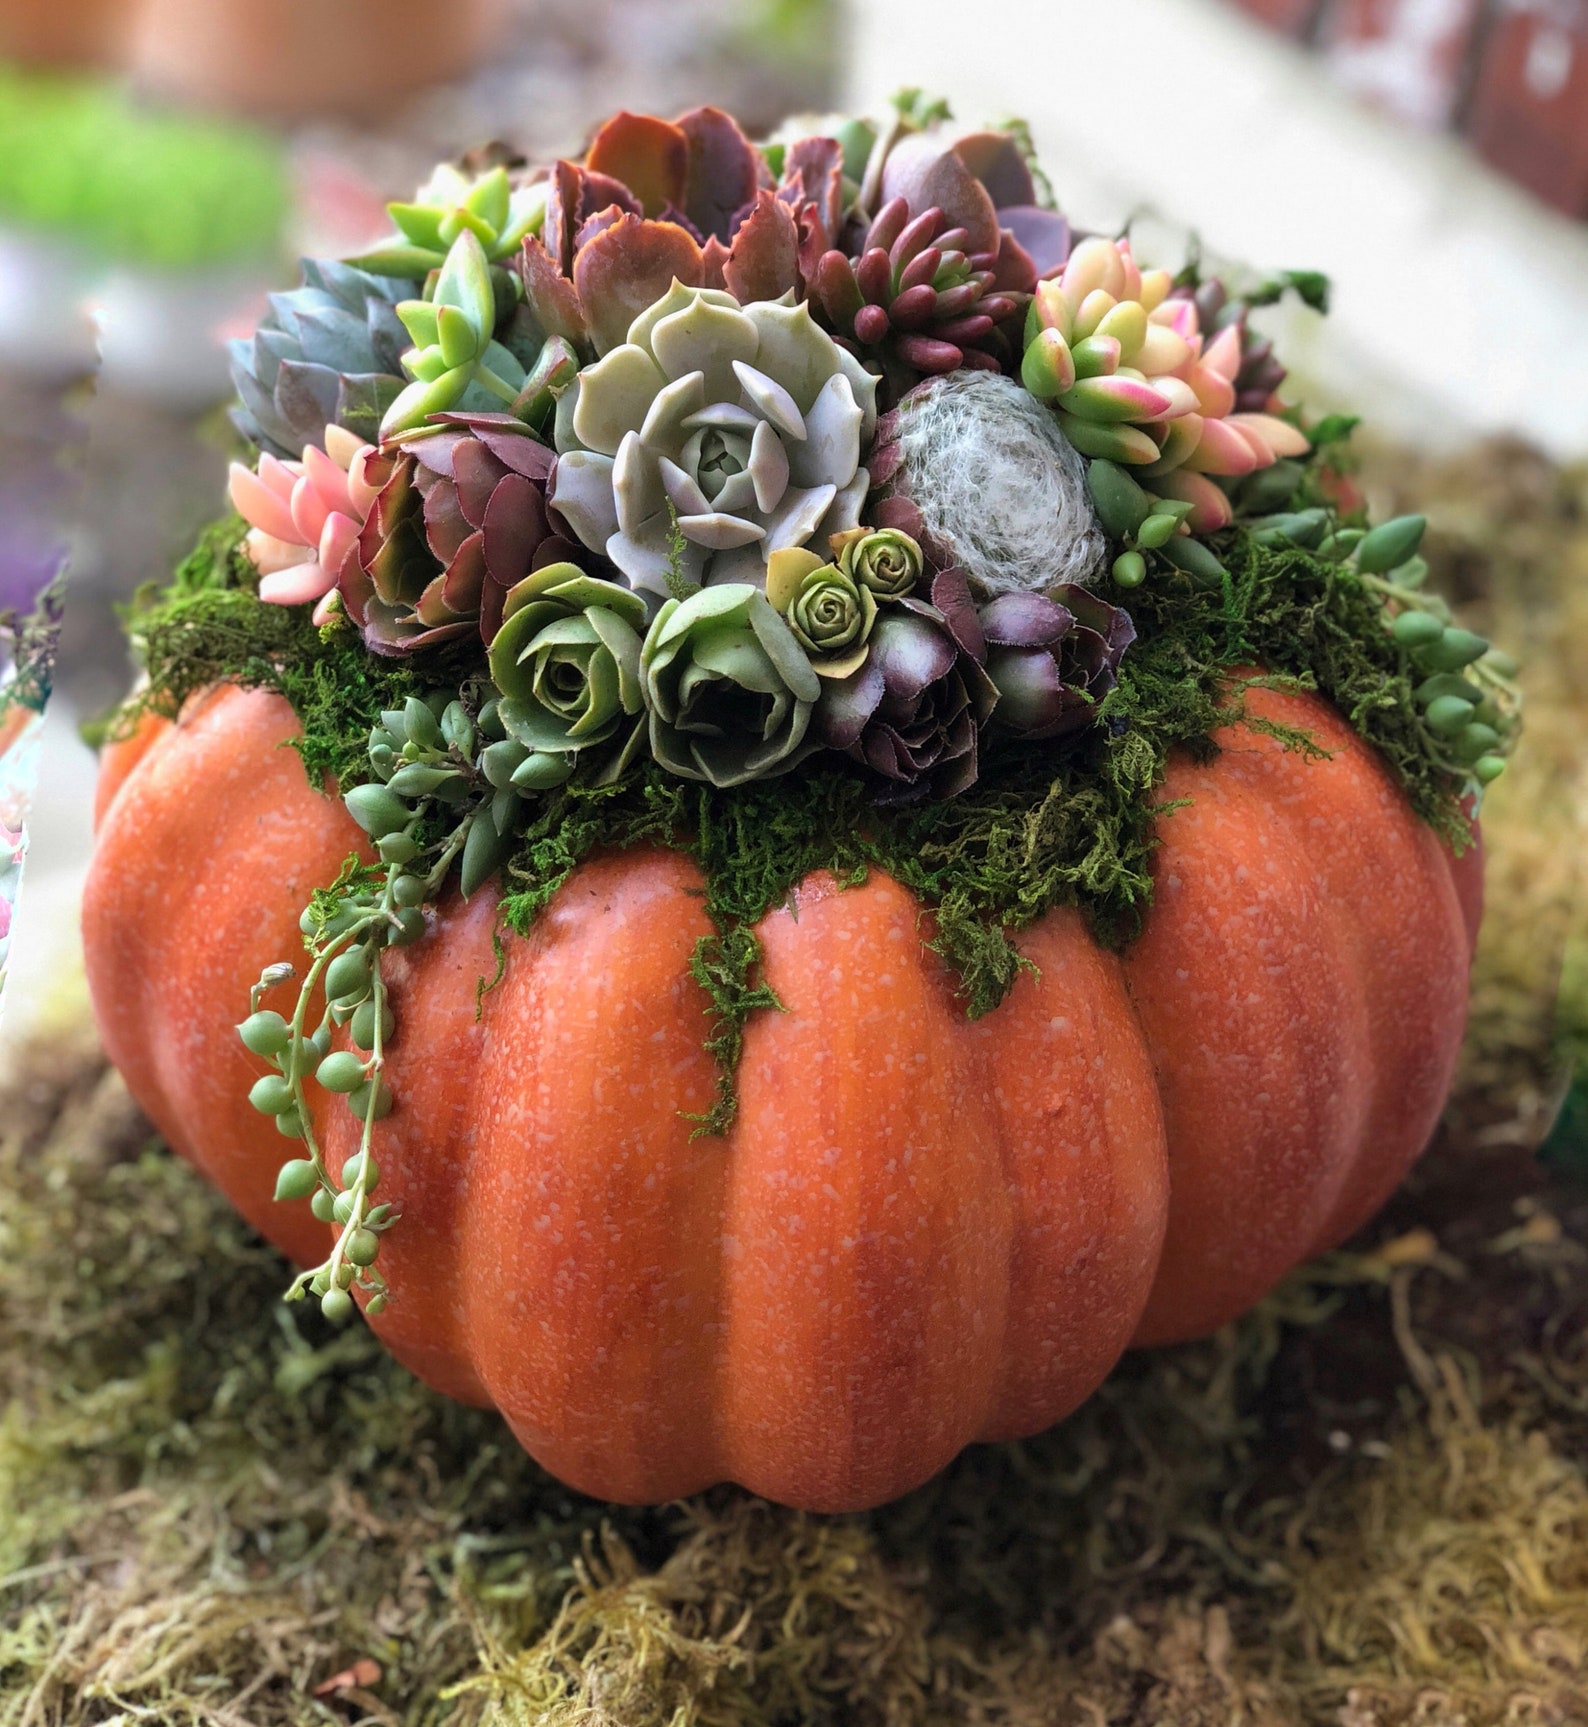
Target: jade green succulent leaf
742	424
728	688
498	214
454	362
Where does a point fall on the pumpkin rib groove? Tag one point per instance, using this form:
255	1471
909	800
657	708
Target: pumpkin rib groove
1405	934
1246	1019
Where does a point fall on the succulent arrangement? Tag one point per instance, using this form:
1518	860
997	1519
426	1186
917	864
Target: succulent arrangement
719	461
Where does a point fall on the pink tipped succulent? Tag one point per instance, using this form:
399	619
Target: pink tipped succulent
1134	379
304	517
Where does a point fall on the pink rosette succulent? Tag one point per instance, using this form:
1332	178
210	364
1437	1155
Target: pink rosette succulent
1134	380
304	517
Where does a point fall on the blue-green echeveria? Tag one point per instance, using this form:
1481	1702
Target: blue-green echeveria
746	423
728	688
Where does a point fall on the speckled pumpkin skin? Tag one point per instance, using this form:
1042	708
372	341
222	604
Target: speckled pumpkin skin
921	1231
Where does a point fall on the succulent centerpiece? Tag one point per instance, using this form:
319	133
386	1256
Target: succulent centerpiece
845	734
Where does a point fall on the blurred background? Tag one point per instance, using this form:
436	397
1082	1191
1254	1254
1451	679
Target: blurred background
164	162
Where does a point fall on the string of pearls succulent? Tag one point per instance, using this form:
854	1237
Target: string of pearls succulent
1467	689
431	806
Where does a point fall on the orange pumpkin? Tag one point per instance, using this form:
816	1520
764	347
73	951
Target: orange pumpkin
921	1231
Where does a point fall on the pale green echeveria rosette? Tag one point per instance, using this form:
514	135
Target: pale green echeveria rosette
728	688
743	424
567	662
829	613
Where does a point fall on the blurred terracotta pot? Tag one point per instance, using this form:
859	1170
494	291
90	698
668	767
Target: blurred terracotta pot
65	32
296	58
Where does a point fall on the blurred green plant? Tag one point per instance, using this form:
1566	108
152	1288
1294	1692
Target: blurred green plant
80	159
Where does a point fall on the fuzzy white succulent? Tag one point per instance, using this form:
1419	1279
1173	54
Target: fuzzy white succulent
747	423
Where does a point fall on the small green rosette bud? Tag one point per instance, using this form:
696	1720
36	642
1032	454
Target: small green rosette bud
729	689
828	611
886	561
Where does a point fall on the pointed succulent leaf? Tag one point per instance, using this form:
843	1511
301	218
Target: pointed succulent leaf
465	282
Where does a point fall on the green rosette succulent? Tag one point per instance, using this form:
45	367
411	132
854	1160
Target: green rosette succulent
567	661
716	435
885	561
829	613
728	687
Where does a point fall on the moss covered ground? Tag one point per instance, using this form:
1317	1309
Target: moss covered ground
1365	1505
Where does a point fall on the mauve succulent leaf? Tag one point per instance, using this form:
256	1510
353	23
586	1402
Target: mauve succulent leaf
628	268
763	262
648	155
594	224
462	583
900	513
813	175
515	524
721	172
911	652
550	295
713	263
951	598
507	438
996	159
1032	693
475	475
1016	271
1024	620
566	188
847	704
924	171
446	526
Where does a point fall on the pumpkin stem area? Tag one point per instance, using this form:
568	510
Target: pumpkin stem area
1040	828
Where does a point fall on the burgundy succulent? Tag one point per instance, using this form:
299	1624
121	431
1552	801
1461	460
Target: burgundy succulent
656	201
917	301
914	711
1052	658
460	517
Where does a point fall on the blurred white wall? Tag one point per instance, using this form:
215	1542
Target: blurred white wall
1461	306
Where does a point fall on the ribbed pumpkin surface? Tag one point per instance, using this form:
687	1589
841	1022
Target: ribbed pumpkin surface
921	1231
